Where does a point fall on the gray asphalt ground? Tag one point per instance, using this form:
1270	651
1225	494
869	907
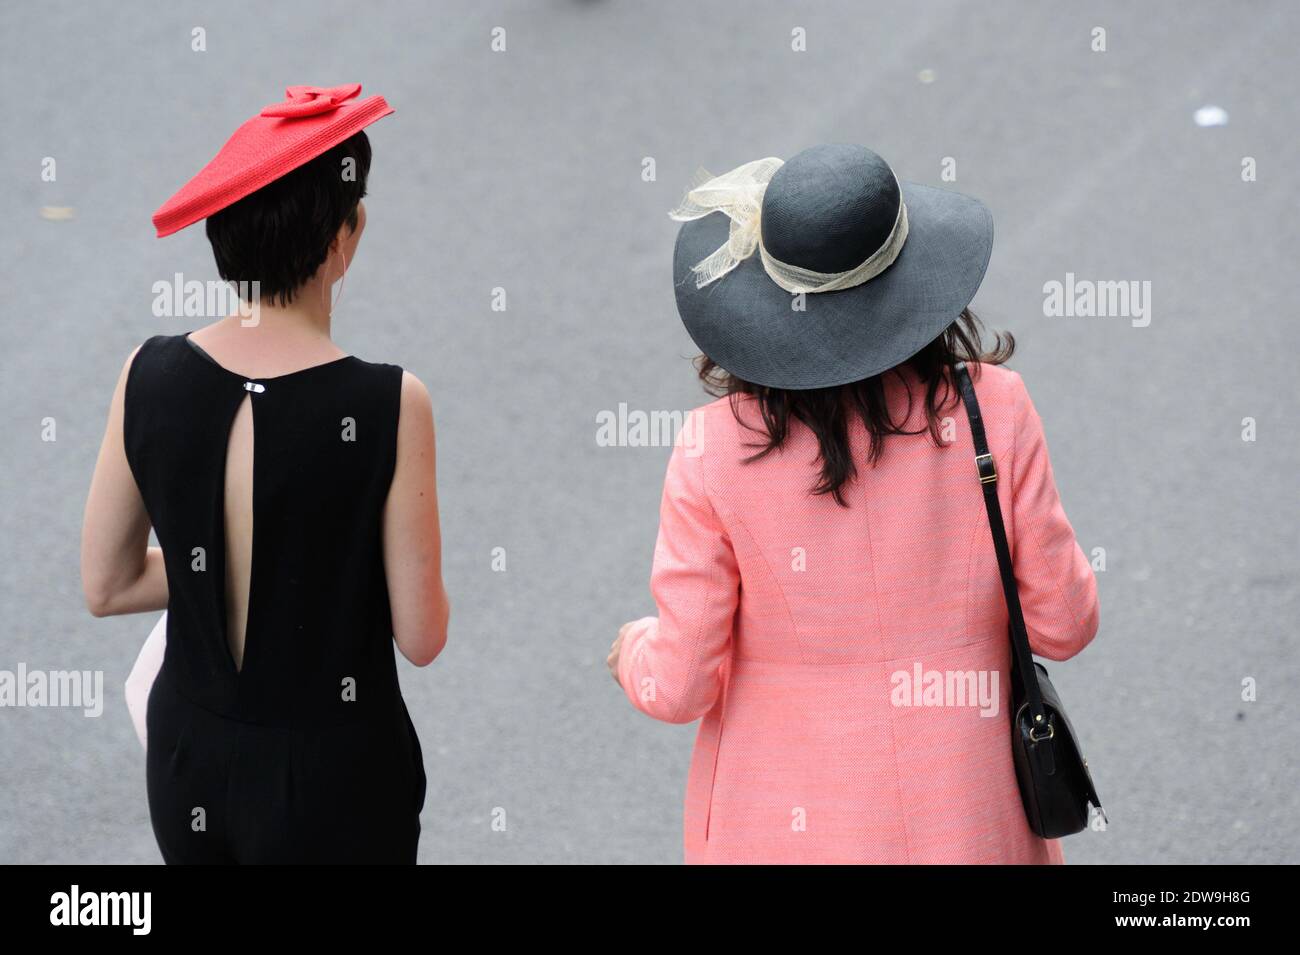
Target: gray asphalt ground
522	170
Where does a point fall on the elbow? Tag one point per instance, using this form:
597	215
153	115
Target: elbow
1057	649
1061	626
673	714
1088	626
647	697
98	608
1069	641
99	599
1089	621
425	649
685	715
428	651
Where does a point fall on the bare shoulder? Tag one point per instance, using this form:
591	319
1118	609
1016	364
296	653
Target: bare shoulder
415	416
125	373
415	396
130	359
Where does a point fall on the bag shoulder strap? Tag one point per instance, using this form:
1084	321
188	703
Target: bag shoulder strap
988	478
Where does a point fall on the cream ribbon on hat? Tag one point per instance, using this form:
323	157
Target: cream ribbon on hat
739	194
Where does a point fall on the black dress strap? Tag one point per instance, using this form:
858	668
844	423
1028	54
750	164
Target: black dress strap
198	348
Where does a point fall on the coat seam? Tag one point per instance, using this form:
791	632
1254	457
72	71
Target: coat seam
725	668
743	528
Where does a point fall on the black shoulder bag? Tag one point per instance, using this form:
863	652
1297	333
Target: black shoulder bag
1055	784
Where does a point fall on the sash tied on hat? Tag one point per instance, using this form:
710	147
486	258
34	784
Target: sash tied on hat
312	100
739	195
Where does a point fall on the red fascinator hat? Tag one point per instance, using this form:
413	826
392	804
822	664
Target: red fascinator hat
284	136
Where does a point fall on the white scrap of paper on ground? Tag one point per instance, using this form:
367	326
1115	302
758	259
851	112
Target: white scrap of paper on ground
1211	116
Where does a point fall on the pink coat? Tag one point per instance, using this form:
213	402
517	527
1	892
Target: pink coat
796	628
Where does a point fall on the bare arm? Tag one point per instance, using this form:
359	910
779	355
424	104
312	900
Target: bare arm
412	538
120	572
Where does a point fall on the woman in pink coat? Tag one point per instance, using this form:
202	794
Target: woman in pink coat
828	592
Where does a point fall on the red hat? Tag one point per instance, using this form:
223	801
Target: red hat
284	136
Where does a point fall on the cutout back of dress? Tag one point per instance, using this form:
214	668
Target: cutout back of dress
267	498
238	513
238	517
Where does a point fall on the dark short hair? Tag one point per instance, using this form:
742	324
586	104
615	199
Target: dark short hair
280	234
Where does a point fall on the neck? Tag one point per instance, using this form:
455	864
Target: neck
306	316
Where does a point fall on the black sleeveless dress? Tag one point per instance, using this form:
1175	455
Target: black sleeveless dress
305	753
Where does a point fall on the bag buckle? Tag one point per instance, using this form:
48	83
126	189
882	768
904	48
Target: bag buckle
987	471
1051	732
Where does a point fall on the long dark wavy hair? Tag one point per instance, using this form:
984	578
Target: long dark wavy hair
827	412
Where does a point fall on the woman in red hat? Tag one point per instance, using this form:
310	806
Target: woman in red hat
292	491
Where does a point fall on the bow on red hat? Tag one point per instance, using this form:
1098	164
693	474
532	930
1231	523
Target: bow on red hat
312	100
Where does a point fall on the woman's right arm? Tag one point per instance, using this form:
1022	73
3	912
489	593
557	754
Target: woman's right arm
670	666
120	572
1058	591
412	537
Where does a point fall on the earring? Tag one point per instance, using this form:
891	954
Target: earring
329	289
326	291
342	278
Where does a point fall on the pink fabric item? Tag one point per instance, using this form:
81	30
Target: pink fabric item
802	755
140	681
311	120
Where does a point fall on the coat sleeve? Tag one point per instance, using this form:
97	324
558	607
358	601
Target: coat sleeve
670	665
1058	591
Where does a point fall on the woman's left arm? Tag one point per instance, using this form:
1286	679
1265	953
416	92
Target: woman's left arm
120	572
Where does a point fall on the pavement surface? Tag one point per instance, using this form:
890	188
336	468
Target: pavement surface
522	170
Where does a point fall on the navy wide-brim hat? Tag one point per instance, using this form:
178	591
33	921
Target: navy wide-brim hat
885	267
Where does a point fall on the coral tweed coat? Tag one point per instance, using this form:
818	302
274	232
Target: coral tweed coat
784	619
